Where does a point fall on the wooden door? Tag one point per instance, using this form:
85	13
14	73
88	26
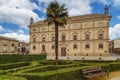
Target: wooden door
63	51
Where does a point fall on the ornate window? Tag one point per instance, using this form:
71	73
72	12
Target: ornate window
100	45
75	46
34	39
53	38
43	49
74	37
63	37
87	37
34	29
100	36
87	46
53	46
12	44
43	39
34	47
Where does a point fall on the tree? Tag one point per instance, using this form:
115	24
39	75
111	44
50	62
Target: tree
57	15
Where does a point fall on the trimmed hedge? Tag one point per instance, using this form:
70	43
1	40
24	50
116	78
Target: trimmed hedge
73	73
20	69
50	68
13	65
11	58
6	77
111	66
52	62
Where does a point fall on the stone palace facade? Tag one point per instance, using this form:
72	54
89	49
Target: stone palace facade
84	35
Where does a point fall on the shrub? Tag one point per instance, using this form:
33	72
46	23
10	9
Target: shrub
115	66
6	77
111	66
11	58
13	65
51	67
73	73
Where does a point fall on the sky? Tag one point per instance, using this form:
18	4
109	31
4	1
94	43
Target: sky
15	14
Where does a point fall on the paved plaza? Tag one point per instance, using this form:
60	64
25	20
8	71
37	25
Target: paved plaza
117	78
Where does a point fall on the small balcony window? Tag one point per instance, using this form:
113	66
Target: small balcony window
75	37
63	37
87	37
87	46
100	36
75	46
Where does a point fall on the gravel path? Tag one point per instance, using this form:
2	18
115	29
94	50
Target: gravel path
117	78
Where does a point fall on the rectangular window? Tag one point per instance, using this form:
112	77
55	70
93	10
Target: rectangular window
34	47
12	45
75	37
53	38
53	47
87	46
63	38
75	46
87	37
34	39
100	46
43	39
100	36
34	29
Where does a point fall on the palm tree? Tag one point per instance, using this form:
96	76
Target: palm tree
57	15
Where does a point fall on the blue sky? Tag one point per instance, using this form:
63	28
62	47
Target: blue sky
15	14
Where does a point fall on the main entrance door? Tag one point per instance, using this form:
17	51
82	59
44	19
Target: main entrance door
63	51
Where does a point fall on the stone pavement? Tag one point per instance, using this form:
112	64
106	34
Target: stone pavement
117	78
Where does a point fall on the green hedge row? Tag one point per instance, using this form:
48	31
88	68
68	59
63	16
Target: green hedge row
6	77
13	65
111	66
51	67
73	73
52	62
11	58
20	69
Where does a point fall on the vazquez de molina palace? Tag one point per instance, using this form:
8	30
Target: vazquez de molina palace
85	35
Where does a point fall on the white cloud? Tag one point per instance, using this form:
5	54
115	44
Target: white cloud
17	12
114	32
78	7
1	28
116	3
21	31
17	36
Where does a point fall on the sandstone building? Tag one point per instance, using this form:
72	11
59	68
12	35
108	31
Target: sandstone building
85	35
115	46
12	46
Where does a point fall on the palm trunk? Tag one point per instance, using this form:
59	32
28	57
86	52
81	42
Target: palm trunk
56	44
